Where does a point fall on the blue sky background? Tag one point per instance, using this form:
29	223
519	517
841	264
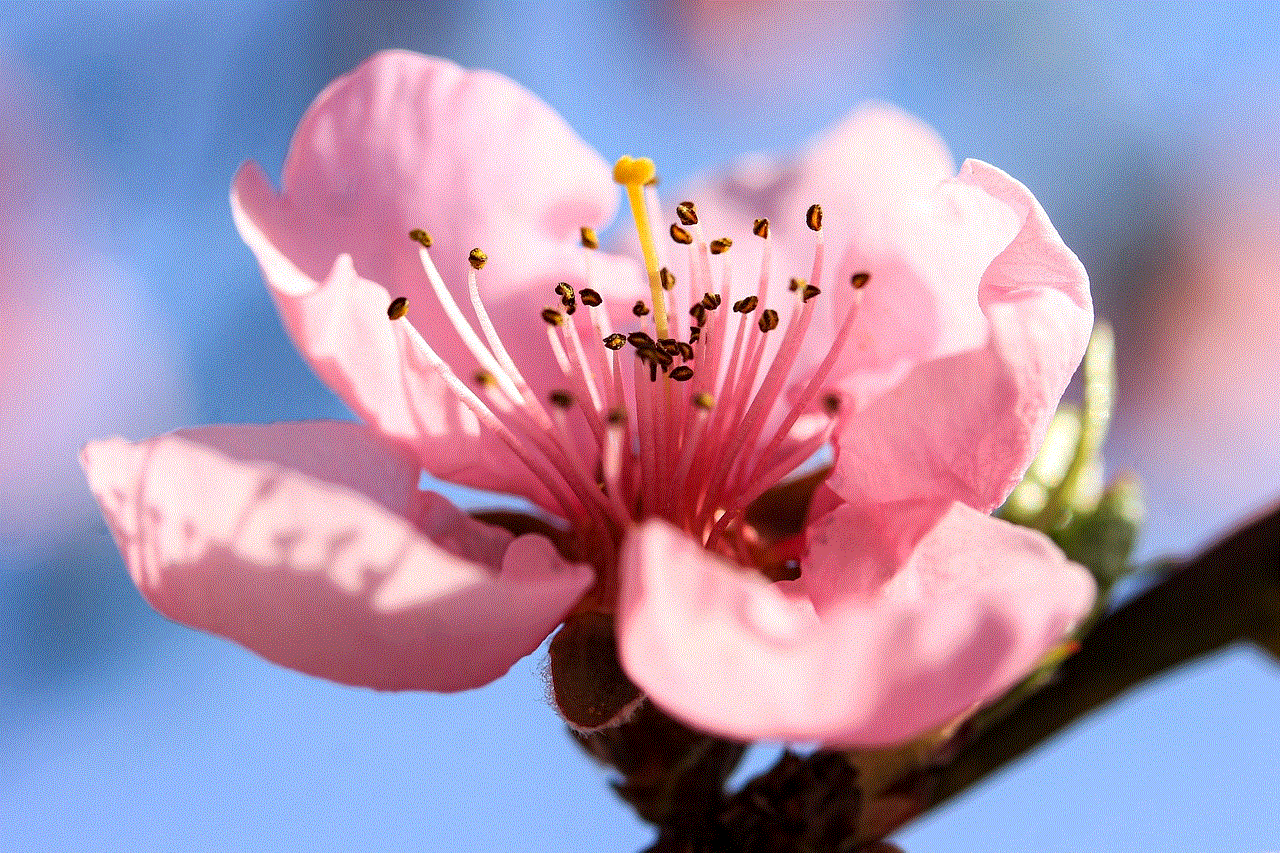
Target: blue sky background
121	731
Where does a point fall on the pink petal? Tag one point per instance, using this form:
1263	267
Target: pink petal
310	544
944	611
965	426
405	142
874	175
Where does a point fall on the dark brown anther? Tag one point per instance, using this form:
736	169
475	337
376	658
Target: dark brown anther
809	292
560	399
485	379
477	259
746	304
695	332
553	317
760	228
667	278
669	345
616	341
589	238
564	290
398	308
813	217
699	313
590	298
653	371
640	309
720	245
703	400
683	373
655	355
831	403
685	350
687	212
859	280
640	340
570	307
768	320
617	417
796	283
680	235
417	235
710	301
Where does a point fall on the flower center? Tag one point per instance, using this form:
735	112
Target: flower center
691	428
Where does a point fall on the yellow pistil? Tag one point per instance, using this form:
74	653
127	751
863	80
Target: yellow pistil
633	173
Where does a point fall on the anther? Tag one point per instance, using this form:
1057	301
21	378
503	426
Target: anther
711	301
796	284
687	212
570	306
653	355
589	239
813	217
616	341
685	350
639	340
669	345
809	292
699	313
720	245
564	290
617	416
768	320
667	278
683	373
553	317
485	379
561	399
761	228
590	298
695	332
417	235
831	403
398	308
680	235
859	280
477	259
746	304
703	400
640	309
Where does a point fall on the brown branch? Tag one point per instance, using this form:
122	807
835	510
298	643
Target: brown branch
1229	593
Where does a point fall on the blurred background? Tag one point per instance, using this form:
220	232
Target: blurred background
1151	133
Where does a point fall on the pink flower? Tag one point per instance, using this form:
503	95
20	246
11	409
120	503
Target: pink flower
648	423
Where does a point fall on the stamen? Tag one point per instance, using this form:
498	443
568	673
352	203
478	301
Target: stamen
720	245
746	304
768	320
477	259
398	308
683	373
589	239
687	212
667	278
417	235
640	309
459	322
552	316
590	298
761	228
616	341
859	280
680	235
